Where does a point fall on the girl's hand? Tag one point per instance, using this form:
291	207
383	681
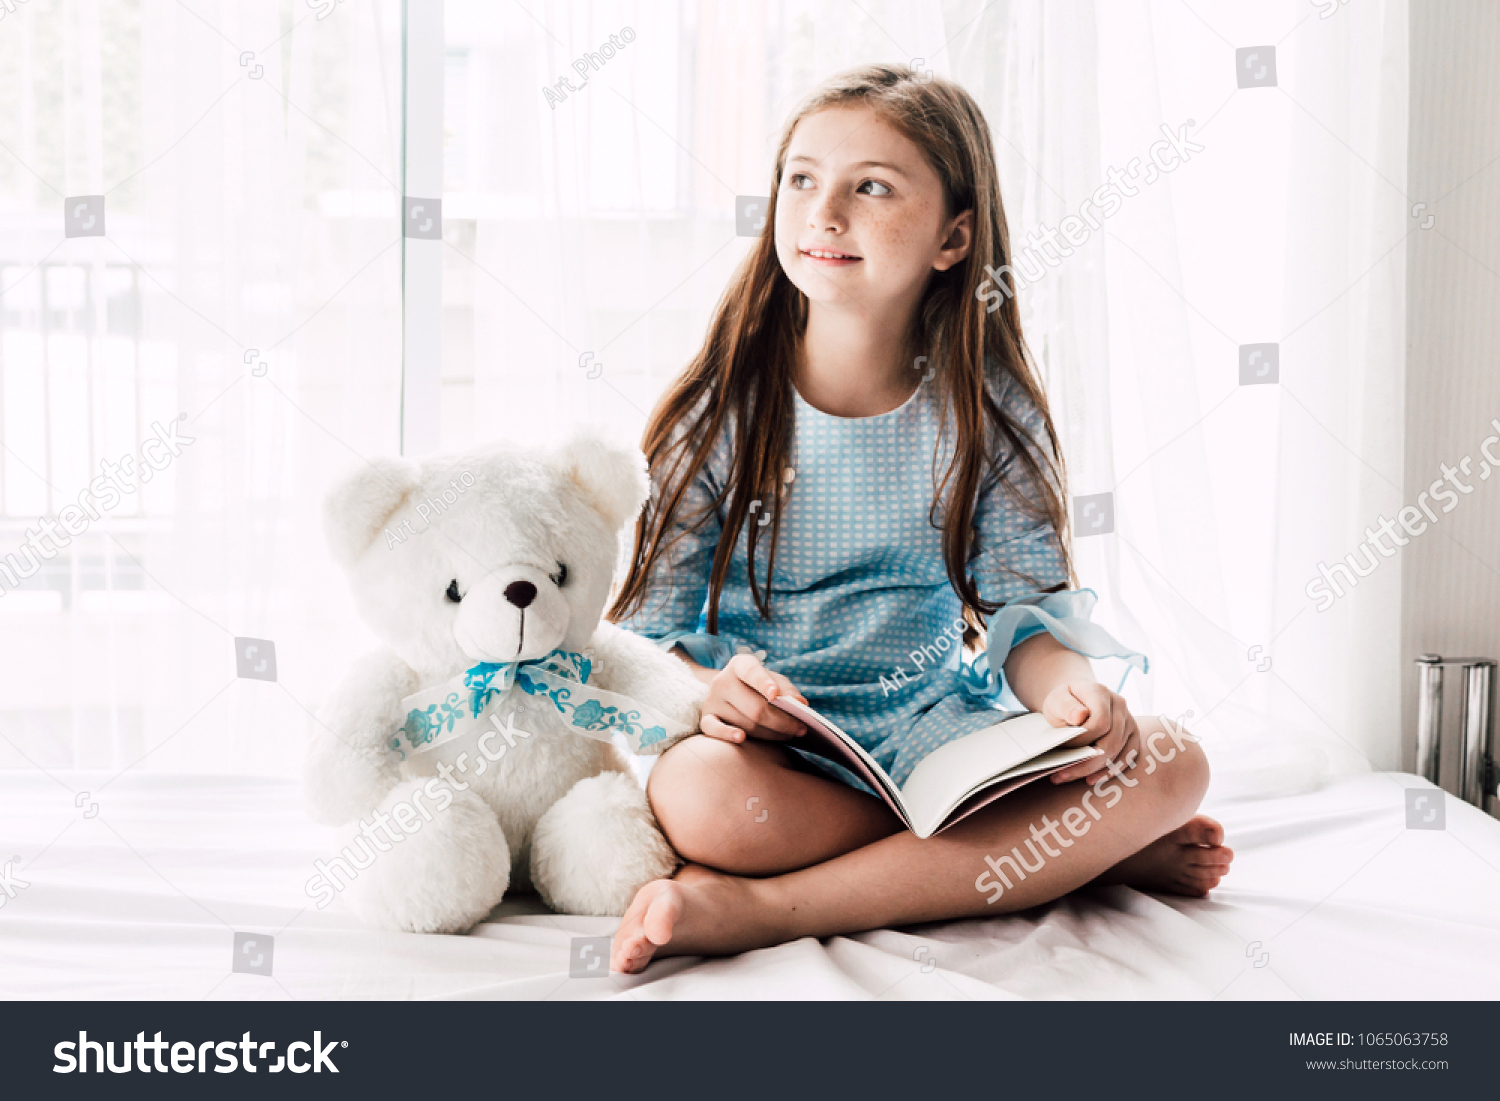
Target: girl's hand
738	703
1106	720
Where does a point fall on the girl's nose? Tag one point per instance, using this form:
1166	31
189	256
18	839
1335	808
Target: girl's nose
827	213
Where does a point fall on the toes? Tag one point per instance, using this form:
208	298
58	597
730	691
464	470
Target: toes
1197	887
1202	878
646	926
623	957
630	937
662	914
1203	830
623	948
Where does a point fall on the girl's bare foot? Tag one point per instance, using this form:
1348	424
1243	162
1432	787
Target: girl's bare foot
1188	861
703	912
697	912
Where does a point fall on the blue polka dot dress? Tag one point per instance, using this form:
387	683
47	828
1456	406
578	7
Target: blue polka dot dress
864	620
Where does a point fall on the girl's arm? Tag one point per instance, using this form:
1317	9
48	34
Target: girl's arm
1049	678
1045	675
704	674
1041	663
738	702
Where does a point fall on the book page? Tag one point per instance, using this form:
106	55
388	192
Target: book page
825	739
1045	765
954	771
997	757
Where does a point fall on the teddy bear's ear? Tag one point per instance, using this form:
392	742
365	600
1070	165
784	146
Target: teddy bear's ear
614	475
357	507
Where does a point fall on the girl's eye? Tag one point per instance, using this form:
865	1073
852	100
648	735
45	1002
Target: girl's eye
453	594
561	575
885	189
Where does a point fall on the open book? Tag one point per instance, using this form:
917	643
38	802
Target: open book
957	778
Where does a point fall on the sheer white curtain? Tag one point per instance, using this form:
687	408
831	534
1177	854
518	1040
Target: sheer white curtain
253	207
590	235
615	235
245	290
1285	229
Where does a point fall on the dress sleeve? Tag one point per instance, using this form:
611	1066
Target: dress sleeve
673	610
1029	547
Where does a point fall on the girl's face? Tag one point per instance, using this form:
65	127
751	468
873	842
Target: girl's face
859	221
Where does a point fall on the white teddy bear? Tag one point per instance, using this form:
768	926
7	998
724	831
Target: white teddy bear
474	746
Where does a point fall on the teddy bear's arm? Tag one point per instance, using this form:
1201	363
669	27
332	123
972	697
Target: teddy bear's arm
636	667
348	769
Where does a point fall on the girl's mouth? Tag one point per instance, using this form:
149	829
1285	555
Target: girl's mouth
828	257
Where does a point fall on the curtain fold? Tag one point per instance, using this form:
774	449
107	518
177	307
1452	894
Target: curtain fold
1284	228
252	206
245	292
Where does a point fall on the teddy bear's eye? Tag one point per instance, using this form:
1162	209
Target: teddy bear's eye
453	594
561	575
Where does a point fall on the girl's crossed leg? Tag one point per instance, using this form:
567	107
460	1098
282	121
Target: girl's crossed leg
776	852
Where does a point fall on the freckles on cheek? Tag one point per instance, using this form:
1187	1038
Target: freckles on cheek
898	232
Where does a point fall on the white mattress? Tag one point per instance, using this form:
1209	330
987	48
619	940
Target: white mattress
1331	896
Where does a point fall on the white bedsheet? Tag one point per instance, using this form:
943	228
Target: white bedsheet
1331	896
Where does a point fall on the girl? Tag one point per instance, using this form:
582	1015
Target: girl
854	357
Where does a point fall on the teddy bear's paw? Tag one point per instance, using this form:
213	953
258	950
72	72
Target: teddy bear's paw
443	867
598	845
636	667
338	785
349	767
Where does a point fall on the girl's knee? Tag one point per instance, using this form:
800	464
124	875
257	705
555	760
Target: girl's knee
1179	765
697	786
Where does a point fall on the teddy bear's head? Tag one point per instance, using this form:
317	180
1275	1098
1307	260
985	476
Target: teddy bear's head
500	554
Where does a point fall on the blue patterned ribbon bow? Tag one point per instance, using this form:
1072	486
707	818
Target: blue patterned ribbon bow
469	700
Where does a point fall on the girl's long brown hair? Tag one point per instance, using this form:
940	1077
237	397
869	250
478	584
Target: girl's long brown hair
743	373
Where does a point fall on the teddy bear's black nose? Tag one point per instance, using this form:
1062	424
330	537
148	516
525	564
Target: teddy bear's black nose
520	593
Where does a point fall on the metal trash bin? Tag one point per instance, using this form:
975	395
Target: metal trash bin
1477	773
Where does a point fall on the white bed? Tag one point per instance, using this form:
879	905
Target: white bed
1331	897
